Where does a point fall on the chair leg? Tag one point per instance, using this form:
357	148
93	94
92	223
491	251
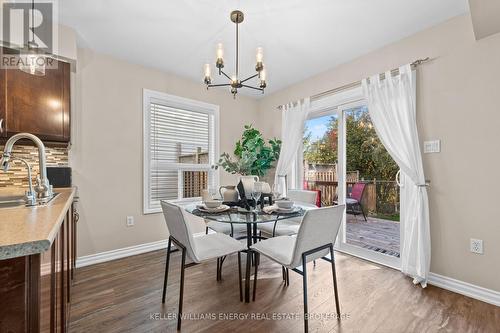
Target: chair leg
181	295
362	211
166	271
337	304
283	273
206	230
287	276
217	273
220	267
255	275
304	286
239	274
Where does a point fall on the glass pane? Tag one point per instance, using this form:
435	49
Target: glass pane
372	193
321	157
179	136
193	183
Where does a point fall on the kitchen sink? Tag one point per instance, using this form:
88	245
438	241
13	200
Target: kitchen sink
12	201
9	201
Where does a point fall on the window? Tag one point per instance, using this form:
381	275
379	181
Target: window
180	147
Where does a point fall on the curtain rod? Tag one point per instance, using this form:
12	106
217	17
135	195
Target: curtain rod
394	72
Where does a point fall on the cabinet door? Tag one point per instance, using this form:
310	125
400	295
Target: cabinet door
38	104
3	131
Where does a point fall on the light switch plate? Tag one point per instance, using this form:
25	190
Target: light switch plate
433	146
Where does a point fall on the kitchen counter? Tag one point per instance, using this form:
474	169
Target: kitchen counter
31	230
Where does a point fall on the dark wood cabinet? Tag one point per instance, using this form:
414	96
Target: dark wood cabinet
34	300
36	104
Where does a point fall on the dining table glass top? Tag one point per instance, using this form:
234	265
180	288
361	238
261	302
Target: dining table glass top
243	216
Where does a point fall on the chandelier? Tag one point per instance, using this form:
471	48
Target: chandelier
32	59
234	81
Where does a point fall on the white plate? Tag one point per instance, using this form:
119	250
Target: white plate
288	210
220	209
283	210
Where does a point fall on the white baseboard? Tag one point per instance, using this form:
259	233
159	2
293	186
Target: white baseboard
464	288
120	253
457	286
123	252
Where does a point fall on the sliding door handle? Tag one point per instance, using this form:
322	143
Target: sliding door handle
398	178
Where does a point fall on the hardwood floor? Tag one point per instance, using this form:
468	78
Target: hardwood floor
125	296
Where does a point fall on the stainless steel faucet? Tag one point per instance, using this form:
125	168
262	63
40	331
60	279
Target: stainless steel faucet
29	196
42	188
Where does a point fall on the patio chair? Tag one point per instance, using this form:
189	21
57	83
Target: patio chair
315	239
354	201
198	249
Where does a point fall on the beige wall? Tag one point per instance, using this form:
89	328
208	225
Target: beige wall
457	103
106	155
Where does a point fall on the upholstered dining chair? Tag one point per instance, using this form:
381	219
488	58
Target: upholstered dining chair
290	226
315	239
230	229
198	249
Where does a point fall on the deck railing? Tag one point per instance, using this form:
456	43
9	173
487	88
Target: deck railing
379	197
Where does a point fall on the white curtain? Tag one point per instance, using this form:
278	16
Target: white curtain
293	118
391	104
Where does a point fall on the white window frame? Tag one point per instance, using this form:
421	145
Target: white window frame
183	104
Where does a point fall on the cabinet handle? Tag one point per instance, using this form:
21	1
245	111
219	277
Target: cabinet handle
1	125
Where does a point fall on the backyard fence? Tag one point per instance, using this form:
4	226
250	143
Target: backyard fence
379	197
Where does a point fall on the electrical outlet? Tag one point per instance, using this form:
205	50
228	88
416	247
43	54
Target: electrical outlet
476	246
130	221
432	146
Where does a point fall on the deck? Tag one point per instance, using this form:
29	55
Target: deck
375	234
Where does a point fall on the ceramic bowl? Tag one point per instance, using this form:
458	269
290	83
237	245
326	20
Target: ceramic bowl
213	203
284	204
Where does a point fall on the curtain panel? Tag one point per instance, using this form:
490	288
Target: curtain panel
293	118
392	108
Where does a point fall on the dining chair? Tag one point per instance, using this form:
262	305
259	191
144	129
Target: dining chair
230	229
198	249
290	226
315	239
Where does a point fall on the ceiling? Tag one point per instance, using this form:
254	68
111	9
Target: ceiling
300	38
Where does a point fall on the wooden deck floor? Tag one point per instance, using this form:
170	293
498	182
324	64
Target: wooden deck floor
125	296
375	234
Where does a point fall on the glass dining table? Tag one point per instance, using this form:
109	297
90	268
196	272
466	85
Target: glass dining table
250	218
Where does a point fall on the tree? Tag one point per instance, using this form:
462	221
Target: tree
365	152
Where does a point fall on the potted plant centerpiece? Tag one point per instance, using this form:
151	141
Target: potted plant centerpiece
253	158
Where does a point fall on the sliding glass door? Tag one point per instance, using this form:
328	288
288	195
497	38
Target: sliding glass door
371	226
344	160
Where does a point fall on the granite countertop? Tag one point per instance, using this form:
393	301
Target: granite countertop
30	230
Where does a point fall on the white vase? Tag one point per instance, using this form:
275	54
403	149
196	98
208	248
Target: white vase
248	182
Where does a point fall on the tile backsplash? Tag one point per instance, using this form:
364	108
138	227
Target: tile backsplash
17	176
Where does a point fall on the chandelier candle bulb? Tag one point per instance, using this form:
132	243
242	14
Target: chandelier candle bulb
263	77
220	56
259	58
208	75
